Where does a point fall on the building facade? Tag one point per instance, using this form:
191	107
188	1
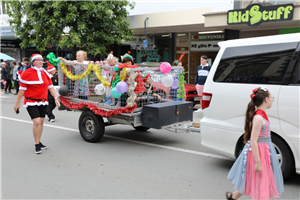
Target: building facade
196	28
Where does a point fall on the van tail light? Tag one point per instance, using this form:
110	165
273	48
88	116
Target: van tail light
206	98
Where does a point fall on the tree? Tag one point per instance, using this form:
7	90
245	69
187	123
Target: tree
93	25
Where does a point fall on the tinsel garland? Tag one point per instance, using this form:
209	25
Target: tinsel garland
124	74
95	109
180	90
76	77
90	67
130	91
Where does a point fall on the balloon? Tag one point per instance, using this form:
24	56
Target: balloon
99	89
122	87
167	80
165	67
175	84
63	90
115	93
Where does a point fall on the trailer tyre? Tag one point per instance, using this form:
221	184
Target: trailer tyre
141	128
91	126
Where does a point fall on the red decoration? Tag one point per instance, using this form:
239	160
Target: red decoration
252	95
95	109
255	90
181	56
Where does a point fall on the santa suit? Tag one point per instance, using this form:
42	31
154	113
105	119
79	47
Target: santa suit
36	82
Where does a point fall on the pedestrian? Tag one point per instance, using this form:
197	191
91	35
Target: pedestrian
201	76
81	88
6	78
8	85
34	85
256	172
51	106
16	68
26	64
2	85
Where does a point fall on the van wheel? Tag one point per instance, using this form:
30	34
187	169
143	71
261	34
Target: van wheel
284	156
141	128
91	126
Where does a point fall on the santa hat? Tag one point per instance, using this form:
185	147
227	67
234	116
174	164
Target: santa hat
145	77
35	56
50	67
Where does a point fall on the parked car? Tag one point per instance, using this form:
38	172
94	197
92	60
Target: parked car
240	66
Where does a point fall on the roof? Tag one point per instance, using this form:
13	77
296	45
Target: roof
285	38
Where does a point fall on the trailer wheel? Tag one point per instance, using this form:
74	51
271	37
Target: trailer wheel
141	128
91	126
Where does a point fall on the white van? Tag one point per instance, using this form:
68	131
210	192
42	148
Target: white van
240	66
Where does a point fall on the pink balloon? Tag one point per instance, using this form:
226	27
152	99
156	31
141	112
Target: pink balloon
165	67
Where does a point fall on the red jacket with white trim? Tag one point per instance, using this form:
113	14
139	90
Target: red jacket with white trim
36	82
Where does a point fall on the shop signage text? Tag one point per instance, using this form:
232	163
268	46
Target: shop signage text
205	46
208	37
255	14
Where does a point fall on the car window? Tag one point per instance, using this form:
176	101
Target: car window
255	64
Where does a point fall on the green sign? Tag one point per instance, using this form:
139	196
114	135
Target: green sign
151	54
255	14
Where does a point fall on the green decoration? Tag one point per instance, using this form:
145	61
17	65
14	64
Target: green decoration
52	59
115	80
180	90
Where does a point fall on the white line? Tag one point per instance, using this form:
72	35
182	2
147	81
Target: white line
133	141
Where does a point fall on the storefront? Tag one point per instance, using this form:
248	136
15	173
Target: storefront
198	31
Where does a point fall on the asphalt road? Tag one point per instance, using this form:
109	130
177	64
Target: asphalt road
126	164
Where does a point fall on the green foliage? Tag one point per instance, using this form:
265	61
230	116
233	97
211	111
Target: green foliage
94	25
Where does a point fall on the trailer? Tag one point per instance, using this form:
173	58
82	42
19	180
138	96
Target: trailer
93	91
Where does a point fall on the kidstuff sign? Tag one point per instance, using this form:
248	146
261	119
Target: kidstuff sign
255	14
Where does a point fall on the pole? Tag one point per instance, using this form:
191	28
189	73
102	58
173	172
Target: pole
145	28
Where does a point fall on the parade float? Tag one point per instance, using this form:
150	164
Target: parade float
161	108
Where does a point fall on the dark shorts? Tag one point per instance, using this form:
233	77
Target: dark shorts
37	111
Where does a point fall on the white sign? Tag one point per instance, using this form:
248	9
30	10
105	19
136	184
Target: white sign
204	46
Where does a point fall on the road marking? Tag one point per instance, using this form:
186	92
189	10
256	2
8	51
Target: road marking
132	141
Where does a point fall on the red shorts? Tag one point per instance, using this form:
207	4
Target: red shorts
199	89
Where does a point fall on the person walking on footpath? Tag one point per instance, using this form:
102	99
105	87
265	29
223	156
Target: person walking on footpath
8	81
34	85
16	68
4	75
51	106
256	172
201	76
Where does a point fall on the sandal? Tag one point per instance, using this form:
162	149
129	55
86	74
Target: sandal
230	196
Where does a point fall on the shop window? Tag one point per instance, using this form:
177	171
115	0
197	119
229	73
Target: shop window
265	64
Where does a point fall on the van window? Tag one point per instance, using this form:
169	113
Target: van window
265	64
295	79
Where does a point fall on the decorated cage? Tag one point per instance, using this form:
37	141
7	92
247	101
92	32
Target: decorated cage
110	91
110	95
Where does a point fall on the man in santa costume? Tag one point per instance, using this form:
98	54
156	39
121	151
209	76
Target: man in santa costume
34	85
